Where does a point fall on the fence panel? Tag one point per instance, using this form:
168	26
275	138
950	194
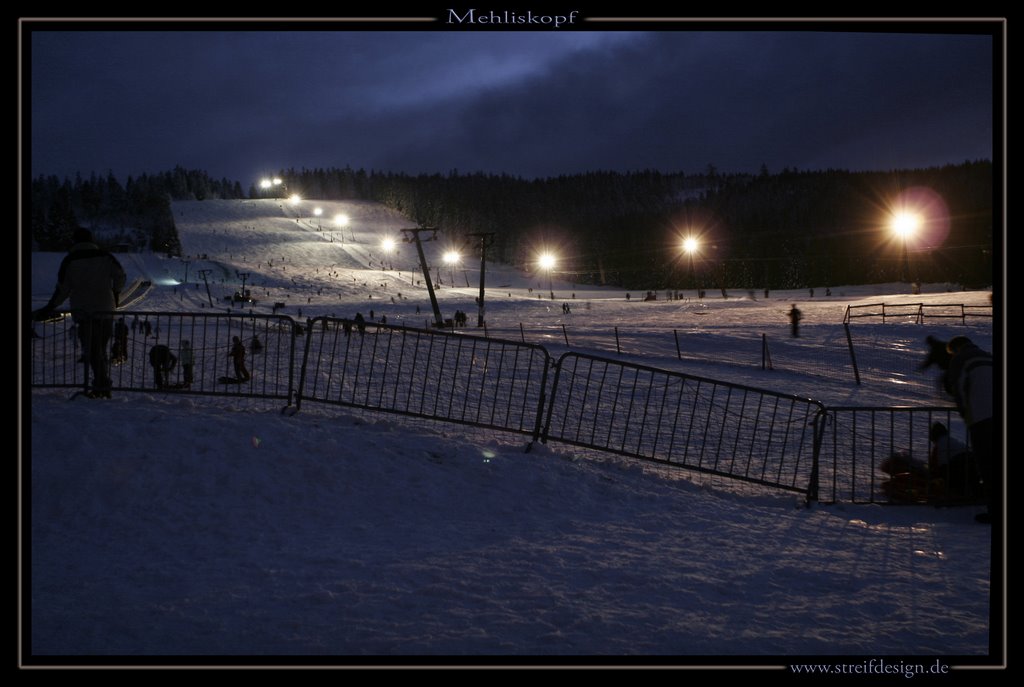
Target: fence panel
919	313
857	441
670	417
57	357
471	380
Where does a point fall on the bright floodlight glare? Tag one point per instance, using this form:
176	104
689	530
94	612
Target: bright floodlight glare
388	245
277	181
690	245
341	220
295	199
264	183
905	224
318	211
451	257
546	261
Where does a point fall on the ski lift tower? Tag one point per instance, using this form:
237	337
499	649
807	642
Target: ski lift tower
413	236
486	239
209	297
244	276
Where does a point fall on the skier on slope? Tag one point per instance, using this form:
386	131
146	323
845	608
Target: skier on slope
794	320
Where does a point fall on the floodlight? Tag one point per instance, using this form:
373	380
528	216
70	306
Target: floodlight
905	224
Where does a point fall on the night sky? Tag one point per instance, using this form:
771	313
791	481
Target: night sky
245	99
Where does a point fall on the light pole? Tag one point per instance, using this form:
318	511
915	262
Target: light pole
387	245
452	258
340	221
547	261
268	183
904	225
691	246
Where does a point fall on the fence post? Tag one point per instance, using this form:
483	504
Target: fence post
818	441
618	348
766	356
679	353
303	367
540	427
85	367
853	357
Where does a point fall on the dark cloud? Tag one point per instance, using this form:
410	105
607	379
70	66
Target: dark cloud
528	103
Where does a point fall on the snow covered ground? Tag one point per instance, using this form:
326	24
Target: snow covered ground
176	529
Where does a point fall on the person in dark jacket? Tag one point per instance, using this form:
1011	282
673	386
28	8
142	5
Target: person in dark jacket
951	462
237	355
794	320
969	381
163	361
92	279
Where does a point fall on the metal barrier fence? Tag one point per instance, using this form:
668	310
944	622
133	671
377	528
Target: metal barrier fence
857	442
678	419
749	434
917	313
58	360
470	380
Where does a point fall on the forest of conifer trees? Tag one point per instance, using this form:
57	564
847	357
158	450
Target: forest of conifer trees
789	229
